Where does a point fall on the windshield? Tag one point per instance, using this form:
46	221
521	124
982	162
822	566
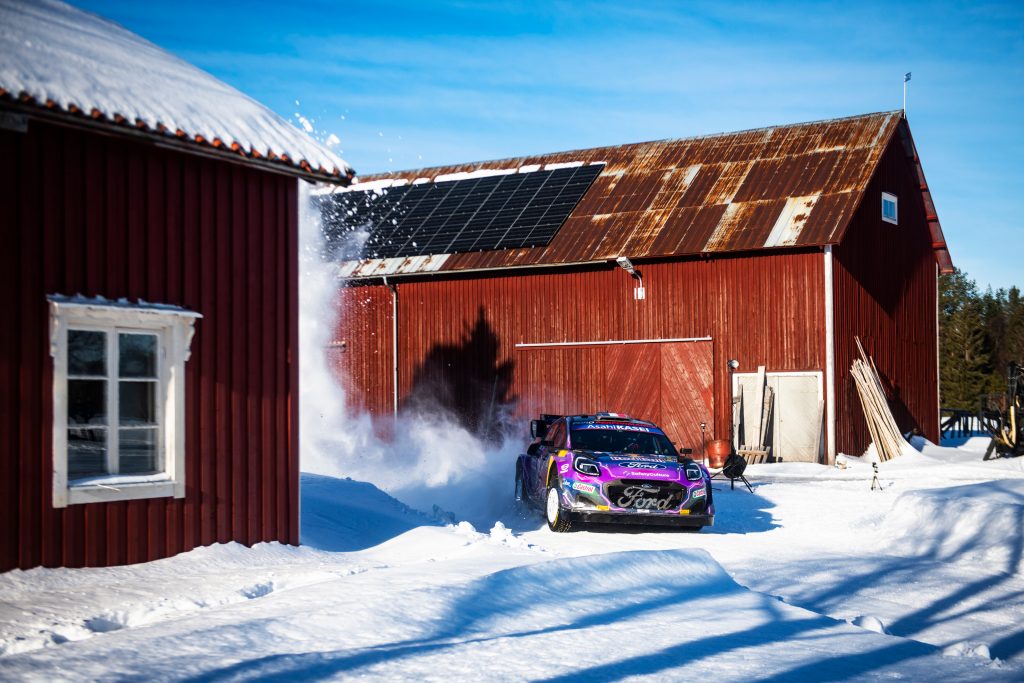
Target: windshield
614	439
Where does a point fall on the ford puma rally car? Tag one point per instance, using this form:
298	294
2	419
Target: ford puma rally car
611	468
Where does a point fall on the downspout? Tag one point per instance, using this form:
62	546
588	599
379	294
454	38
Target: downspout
394	344
830	359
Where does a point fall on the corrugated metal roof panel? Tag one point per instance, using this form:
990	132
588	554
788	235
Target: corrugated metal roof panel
795	185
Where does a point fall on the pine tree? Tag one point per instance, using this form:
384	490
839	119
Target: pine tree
964	367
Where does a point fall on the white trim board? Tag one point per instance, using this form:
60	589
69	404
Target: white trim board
611	342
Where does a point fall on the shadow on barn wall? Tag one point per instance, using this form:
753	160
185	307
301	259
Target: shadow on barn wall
466	381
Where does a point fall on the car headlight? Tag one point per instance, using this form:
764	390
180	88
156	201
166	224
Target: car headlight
693	473
586	466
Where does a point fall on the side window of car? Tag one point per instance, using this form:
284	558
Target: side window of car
558	438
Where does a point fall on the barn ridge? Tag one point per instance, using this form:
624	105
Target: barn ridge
775	187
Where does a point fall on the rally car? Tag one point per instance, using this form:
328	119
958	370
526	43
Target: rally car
610	467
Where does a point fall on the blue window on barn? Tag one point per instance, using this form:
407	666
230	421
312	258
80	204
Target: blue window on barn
889	208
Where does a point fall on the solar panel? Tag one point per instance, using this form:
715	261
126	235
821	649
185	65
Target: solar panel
473	214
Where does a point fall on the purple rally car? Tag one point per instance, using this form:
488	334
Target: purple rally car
611	468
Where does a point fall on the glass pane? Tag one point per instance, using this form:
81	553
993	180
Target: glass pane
138	451
87	402
87	453
137	403
137	355
87	352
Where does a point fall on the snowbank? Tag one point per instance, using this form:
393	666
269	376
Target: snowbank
981	523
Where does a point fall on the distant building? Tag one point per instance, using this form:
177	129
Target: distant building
502	284
148	358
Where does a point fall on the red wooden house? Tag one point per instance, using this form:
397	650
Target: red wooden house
132	430
774	247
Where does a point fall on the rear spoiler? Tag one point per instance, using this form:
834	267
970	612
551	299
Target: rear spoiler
539	428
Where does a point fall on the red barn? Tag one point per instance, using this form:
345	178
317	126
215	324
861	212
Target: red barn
131	430
625	278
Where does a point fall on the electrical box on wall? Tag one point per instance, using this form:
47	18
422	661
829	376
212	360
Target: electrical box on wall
639	293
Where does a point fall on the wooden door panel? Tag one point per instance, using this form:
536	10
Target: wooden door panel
687	398
632	381
562	381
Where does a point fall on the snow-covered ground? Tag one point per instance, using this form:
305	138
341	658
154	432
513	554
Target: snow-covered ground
420	567
814	576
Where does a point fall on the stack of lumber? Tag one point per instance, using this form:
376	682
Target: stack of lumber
885	433
756	451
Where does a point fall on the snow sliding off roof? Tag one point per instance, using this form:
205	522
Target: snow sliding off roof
68	61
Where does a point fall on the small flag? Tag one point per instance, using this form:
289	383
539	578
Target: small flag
907	77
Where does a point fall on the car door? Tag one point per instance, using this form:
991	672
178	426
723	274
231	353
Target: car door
539	462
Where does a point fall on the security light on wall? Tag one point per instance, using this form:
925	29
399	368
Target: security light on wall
639	292
626	265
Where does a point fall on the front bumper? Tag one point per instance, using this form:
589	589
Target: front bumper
641	519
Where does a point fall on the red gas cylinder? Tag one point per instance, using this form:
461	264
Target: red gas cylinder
718	451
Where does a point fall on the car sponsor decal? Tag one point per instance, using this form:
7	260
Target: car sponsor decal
585	488
639	465
635	458
618	427
564	468
699	493
643	498
650	475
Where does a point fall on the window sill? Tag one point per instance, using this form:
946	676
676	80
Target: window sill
121	488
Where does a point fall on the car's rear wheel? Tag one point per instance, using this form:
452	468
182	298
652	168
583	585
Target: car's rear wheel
559	520
519	485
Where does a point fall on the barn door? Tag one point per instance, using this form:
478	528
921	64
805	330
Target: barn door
795	423
686	393
632	380
668	383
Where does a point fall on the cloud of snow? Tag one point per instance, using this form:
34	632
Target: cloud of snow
429	461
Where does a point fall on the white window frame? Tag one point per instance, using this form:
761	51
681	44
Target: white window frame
174	328
889	197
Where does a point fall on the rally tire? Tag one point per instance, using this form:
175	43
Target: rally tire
518	494
559	520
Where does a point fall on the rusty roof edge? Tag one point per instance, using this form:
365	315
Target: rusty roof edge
840	230
939	246
425	171
610	261
460	271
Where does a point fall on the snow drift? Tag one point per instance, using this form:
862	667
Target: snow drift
972	523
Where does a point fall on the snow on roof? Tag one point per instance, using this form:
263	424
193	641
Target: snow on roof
67	60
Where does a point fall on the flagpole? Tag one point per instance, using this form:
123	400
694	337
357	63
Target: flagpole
906	78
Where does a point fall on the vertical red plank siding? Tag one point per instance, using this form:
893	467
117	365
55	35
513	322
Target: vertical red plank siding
885	292
200	371
764	309
291	394
103	216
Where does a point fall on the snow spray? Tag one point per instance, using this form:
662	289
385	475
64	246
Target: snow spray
431	463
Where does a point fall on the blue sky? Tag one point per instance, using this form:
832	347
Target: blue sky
410	84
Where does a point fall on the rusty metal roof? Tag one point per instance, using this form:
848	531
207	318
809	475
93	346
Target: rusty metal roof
783	186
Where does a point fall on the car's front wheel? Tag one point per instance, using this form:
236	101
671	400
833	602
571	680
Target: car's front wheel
559	520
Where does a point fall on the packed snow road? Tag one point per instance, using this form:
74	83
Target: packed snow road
812	577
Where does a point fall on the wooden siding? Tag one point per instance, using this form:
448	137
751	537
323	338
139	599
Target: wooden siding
457	335
885	292
676	390
102	216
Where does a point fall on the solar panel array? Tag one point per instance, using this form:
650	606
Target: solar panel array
472	214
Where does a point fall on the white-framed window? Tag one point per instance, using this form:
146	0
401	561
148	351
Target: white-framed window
889	208
118	399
